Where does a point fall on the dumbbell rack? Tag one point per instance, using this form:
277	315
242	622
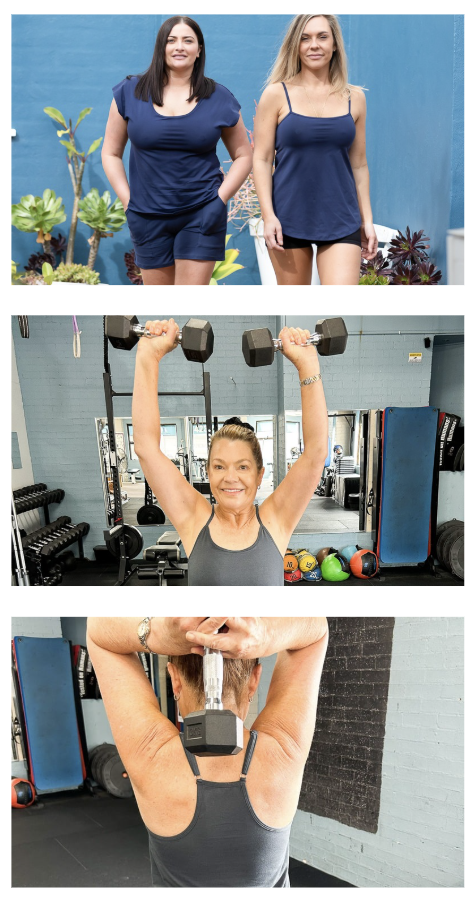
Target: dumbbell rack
40	547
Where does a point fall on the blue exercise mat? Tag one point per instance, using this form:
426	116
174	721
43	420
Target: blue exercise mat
46	684
408	456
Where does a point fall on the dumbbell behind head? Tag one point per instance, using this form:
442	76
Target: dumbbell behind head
213	731
259	347
196	337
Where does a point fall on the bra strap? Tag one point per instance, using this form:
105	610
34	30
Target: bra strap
249	753
287	96
191	758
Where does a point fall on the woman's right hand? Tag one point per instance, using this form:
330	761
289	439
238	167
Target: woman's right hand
167	332
243	639
273	234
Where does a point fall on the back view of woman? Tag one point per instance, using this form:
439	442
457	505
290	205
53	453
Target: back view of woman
214	821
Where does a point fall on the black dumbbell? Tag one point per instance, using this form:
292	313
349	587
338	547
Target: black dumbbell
213	731
196	337
259	346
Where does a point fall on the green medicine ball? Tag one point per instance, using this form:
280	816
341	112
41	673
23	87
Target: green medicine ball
335	567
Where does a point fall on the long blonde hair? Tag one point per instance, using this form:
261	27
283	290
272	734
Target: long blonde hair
288	63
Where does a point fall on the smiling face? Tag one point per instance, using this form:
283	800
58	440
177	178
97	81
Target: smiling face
233	473
317	43
182	48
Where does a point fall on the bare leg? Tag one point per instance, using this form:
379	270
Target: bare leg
292	266
339	264
158	276
193	271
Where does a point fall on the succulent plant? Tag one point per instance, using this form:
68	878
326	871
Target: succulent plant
133	272
379	265
427	273
102	216
408	247
39	214
76	273
59	244
36	261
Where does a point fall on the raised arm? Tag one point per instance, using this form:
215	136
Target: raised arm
174	493
282	510
266	122
115	140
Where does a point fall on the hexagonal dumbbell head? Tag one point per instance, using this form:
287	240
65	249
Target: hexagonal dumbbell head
333	336
120	333
197	340
258	347
213	732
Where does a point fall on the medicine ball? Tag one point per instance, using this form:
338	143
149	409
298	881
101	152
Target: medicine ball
314	575
335	567
23	793
290	561
323	553
364	564
292	577
349	551
306	561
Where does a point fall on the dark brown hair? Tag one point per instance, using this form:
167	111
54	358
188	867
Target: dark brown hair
236	673
151	83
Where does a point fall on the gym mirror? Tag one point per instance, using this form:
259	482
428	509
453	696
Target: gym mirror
334	508
184	441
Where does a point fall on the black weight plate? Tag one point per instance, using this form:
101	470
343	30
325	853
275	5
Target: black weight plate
461	462
457	459
115	778
456	557
449	537
150	515
133	539
440	531
97	756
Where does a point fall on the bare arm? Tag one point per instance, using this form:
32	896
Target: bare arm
236	142
283	509
115	140
266	121
175	495
360	169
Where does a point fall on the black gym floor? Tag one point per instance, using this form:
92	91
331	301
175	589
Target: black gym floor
75	839
93	573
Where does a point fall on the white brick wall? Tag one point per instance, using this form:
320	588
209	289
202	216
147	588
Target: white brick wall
419	842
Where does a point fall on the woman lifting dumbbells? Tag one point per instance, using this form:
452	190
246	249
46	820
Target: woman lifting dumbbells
231	542
174	117
220	820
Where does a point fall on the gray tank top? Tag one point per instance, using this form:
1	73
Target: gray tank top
225	844
209	564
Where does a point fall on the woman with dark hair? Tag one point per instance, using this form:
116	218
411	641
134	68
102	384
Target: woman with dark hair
213	821
310	125
174	117
231	542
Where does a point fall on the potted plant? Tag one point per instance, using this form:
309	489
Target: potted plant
102	216
406	262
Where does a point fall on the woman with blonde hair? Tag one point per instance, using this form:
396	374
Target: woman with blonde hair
231	542
310	124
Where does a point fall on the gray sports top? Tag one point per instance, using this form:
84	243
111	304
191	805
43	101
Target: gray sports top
225	844
209	564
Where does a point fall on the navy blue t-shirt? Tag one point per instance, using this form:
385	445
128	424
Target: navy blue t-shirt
173	164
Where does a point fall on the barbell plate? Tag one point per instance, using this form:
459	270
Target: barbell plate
440	531
456	557
150	515
115	778
450	535
133	540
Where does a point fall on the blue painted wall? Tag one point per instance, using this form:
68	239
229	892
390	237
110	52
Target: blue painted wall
412	67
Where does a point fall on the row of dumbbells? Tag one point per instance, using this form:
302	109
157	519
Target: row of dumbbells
196	339
35	496
53	538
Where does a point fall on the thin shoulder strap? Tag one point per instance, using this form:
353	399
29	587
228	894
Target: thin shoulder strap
349	102
191	758
249	753
287	96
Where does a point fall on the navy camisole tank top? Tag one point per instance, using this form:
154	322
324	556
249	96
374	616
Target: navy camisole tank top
314	193
211	565
225	845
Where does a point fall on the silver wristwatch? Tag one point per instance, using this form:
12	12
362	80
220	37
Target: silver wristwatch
143	632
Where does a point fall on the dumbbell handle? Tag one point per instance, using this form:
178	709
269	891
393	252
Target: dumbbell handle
213	678
314	339
142	331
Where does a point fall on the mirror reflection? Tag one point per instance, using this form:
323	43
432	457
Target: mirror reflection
335	505
184	441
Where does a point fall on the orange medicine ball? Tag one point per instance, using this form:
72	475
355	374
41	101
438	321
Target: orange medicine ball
364	564
290	561
23	793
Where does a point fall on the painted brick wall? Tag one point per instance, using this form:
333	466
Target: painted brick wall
419	842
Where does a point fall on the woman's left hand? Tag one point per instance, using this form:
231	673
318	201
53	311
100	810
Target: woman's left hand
369	241
294	345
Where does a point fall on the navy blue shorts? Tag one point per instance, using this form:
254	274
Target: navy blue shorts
195	234
291	243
